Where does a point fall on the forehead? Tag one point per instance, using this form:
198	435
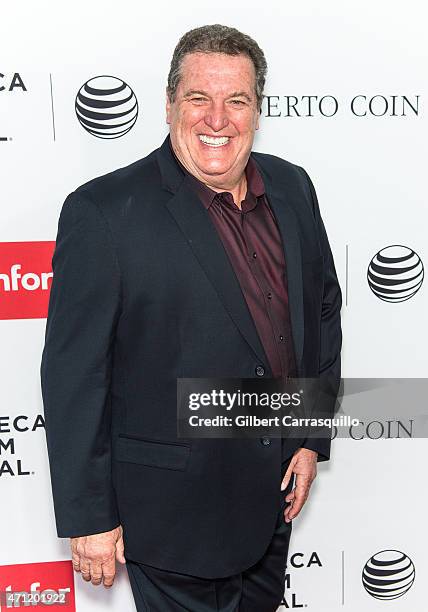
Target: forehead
218	71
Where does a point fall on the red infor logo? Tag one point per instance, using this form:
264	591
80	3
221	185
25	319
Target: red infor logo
25	279
38	586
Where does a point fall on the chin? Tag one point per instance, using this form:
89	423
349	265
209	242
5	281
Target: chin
214	167
214	170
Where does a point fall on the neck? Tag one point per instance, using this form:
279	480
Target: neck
238	191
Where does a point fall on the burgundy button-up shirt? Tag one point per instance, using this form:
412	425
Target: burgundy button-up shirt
251	238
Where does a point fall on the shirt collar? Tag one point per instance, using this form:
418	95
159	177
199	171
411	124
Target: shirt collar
255	185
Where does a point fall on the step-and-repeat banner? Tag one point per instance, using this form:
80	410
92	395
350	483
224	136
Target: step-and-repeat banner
346	99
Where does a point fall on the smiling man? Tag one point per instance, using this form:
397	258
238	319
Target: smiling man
213	113
203	259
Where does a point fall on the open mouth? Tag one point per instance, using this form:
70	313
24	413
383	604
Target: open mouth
214	141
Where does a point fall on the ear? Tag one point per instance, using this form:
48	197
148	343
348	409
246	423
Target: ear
258	119
168	108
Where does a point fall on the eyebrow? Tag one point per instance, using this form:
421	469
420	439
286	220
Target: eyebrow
235	94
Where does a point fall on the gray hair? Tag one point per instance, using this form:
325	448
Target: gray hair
217	38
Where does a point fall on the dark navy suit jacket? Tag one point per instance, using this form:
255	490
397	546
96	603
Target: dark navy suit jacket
143	293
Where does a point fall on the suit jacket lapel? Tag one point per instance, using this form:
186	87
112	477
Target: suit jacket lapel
199	231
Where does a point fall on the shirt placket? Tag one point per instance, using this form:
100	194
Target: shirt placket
266	291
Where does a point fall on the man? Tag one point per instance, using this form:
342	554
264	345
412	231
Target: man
202	259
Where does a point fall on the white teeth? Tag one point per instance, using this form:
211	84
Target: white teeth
214	141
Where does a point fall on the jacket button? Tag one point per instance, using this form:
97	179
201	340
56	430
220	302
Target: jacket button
260	371
265	441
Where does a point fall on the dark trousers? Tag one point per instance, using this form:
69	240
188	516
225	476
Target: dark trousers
259	588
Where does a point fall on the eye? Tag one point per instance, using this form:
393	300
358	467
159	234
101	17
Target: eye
197	99
237	102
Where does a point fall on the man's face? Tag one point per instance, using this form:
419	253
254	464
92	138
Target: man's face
214	116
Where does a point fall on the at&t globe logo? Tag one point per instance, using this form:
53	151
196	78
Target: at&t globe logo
395	273
388	574
106	107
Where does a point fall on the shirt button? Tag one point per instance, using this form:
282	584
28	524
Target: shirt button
255	255
260	371
265	441
281	337
269	296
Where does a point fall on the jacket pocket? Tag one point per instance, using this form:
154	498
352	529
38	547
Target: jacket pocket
154	453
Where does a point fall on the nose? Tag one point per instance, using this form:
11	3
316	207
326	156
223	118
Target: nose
216	117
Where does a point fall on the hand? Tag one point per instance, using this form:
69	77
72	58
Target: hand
94	555
304	465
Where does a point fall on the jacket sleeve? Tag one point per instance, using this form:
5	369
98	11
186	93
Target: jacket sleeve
330	334
84	307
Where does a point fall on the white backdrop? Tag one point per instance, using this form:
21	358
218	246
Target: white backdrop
369	173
